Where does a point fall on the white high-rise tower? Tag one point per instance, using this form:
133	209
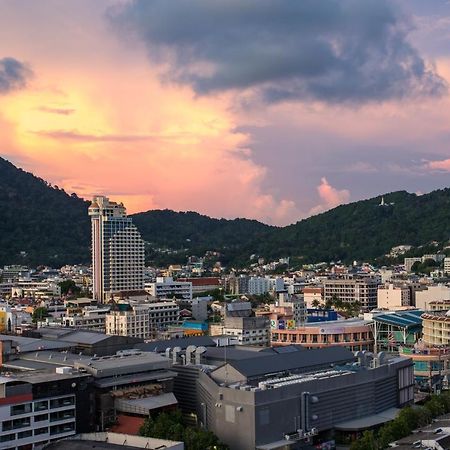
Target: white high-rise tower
117	250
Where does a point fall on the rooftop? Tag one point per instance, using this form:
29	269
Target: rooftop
253	367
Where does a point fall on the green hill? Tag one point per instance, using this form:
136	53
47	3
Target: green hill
47	224
364	229
42	224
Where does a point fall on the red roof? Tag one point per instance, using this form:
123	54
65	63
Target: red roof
127	424
204	281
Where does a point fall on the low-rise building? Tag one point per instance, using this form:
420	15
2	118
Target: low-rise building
430	294
37	408
248	330
87	318
142	320
167	287
354	334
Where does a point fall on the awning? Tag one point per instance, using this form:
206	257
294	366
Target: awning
143	406
368	421
135	378
278	445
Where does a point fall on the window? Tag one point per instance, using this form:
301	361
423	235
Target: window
24	434
39	431
61	402
7	437
41	405
21	409
41	417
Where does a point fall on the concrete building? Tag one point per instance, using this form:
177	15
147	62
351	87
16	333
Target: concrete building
436	328
126	383
201	285
409	262
391	296
142	320
263	285
447	266
87	318
296	303
237	285
117	250
107	440
350	290
430	294
199	308
167	287
313	294
248	330
38	408
285	400
354	334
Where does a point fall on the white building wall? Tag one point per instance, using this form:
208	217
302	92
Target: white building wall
433	293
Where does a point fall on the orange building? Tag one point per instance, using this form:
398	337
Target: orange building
355	334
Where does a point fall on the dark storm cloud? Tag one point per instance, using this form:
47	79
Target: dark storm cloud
330	50
13	75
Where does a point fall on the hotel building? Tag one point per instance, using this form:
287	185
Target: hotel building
117	250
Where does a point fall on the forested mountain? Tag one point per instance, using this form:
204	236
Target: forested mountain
42	224
365	230
47	224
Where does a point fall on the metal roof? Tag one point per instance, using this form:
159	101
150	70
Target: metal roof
368	421
401	319
134	378
183	343
144	406
252	367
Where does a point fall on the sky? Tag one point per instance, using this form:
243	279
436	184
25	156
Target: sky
270	110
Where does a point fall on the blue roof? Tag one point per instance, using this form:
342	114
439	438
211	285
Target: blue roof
401	319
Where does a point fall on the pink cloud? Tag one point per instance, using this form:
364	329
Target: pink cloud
439	165
330	197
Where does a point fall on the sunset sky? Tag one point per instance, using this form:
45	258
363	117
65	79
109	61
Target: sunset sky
273	110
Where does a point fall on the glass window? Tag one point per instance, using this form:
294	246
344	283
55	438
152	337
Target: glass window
21	409
24	434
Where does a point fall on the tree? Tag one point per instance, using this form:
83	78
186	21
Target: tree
68	287
315	303
39	314
366	442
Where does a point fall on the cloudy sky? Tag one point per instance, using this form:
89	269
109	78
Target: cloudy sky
274	110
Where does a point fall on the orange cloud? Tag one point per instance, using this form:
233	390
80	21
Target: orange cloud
150	146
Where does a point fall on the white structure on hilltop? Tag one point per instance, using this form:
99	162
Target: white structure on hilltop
117	250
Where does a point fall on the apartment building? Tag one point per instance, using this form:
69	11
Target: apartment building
248	330
313	295
117	250
141	320
38	408
167	287
447	266
87	318
351	289
433	293
391	296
